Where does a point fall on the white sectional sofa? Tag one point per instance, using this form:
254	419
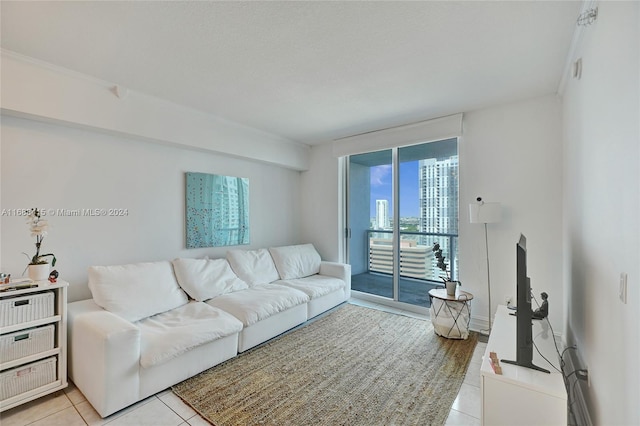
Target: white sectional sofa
152	325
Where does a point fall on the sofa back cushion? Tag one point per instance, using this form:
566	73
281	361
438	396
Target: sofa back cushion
296	261
203	279
253	266
136	291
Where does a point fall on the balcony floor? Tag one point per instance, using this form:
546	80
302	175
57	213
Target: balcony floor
414	292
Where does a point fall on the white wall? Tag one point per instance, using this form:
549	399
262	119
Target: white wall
35	89
321	203
602	212
511	154
69	142
57	167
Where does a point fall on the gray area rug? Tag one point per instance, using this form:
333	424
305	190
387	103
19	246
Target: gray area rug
355	366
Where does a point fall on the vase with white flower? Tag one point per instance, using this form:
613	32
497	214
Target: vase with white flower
449	284
38	266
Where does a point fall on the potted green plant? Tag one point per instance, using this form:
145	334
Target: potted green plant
449	284
38	266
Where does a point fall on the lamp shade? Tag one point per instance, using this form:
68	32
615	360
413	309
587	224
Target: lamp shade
485	212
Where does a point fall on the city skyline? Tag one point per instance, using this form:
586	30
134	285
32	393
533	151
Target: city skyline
433	207
381	188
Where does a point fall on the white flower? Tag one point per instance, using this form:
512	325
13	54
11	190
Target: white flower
39	228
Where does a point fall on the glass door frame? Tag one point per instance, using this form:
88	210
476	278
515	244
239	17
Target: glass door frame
391	302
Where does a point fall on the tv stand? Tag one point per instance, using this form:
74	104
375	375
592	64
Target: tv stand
528	365
520	395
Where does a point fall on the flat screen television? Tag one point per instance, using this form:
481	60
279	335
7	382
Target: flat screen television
524	313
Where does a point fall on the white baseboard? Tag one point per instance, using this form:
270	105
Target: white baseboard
479	324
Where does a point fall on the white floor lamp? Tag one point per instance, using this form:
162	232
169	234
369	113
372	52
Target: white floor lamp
481	212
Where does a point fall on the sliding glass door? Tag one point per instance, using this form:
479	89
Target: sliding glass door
400	202
371	246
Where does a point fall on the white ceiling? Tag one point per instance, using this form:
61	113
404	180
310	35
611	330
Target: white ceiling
307	71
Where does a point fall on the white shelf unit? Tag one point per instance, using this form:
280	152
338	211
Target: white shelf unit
522	396
59	350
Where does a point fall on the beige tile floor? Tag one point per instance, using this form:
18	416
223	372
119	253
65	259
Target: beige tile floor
70	408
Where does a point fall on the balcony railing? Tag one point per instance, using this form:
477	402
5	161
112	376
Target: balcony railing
416	254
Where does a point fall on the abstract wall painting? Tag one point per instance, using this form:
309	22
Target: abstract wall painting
217	210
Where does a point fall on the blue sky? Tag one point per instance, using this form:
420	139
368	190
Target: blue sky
381	181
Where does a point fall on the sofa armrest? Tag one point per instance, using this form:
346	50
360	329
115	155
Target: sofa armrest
338	270
104	356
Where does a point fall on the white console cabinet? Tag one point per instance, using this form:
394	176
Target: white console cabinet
33	339
521	396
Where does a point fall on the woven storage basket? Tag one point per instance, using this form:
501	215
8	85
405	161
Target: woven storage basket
27	377
26	342
17	310
452	320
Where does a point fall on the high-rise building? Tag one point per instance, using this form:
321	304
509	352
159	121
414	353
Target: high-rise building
439	201
382	214
439	195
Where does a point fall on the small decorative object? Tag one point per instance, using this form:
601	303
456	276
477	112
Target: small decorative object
449	284
38	267
543	310
5	278
495	363
451	287
53	276
38	272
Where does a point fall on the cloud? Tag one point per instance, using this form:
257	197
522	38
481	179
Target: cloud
380	175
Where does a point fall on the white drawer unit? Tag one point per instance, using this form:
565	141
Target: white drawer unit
33	338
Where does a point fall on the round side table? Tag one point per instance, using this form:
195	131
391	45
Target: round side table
450	315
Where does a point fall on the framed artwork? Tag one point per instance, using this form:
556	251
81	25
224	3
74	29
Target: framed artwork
217	210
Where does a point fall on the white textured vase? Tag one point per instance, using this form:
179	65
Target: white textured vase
39	272
451	287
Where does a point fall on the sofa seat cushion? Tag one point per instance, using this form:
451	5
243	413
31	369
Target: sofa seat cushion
315	286
169	334
259	302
